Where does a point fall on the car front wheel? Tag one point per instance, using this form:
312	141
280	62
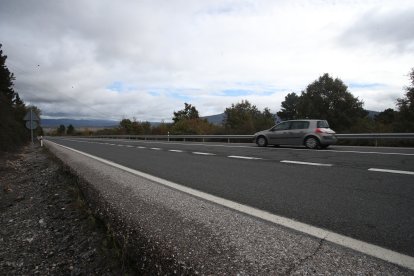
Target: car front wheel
261	141
312	143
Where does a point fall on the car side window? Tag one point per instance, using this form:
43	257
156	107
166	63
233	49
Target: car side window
282	126
299	125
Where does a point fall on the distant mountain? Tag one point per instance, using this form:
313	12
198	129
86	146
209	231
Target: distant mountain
215	119
49	123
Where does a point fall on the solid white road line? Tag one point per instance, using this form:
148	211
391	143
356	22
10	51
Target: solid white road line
390	171
357	245
306	163
202	153
244	157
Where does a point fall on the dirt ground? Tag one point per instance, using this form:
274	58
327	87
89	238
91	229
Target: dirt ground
46	227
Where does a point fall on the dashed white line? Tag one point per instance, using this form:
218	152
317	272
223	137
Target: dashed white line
155	148
203	153
141	147
176	150
306	163
391	171
244	157
129	146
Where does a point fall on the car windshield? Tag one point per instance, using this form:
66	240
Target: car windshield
323	124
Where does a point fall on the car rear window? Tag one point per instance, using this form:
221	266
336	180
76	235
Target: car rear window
322	124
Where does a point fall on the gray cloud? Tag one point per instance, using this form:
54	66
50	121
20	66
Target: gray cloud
391	30
67	54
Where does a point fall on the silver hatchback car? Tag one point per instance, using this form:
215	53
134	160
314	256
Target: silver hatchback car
313	134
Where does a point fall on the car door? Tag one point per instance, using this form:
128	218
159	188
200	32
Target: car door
278	134
297	131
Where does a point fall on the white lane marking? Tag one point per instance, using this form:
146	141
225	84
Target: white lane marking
306	163
203	153
176	150
129	146
112	144
390	171
244	157
140	147
277	149
357	245
119	145
155	148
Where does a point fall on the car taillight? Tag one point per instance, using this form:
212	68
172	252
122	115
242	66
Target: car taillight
318	130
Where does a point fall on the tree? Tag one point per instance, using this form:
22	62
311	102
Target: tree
245	118
188	121
61	130
12	110
70	130
289	107
329	99
189	112
405	121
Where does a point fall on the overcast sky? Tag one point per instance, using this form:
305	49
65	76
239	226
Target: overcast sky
144	59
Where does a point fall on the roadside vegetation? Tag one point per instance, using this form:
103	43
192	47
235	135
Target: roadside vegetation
326	98
13	132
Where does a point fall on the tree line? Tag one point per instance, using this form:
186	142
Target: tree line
13	132
326	98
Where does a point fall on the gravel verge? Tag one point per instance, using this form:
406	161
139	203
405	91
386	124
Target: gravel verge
46	227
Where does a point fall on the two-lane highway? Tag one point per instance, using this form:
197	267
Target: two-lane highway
363	193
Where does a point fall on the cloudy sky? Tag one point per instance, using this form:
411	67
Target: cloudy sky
144	59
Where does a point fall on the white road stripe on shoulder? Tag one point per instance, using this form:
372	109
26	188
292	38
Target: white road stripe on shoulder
306	163
357	245
391	171
203	153
244	157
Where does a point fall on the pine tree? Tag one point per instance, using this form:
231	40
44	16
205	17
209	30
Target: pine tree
12	110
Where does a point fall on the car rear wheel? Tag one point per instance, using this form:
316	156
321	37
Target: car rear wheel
312	143
261	141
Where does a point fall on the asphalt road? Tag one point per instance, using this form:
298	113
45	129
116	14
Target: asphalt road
362	192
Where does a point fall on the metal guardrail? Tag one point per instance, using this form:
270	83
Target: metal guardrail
229	138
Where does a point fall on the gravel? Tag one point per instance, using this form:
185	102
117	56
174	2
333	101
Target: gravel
46	227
